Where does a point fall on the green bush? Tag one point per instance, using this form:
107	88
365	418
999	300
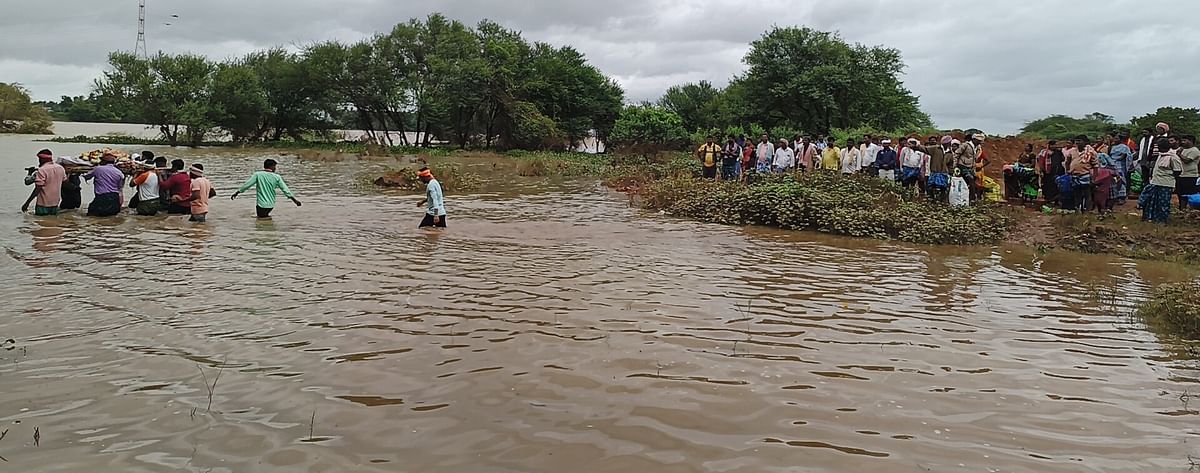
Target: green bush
452	178
855	206
1173	309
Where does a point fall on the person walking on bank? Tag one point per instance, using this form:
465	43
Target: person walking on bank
107	187
264	183
48	181
709	154
1189	157
434	202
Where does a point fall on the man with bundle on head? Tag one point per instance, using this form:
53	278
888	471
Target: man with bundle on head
48	179
264	183
434	201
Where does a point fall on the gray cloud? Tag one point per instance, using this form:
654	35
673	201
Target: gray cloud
991	65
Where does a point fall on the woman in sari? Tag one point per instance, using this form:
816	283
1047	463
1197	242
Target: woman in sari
1156	197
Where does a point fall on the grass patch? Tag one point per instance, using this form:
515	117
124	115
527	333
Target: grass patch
1173	309
560	164
452	177
1128	236
826	202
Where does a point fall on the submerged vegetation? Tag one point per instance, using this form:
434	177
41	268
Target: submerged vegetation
1174	309
855	206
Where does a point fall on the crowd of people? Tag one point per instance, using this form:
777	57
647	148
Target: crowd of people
1101	175
927	165
1082	176
155	186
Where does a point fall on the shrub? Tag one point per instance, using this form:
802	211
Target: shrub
855	206
1174	309
452	177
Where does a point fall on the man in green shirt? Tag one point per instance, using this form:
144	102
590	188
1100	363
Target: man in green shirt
264	183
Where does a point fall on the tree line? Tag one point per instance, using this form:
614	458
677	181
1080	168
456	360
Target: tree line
481	86
1183	121
486	86
797	81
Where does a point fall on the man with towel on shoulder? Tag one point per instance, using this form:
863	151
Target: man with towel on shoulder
48	180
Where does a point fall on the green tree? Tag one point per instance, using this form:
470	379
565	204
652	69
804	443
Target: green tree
1183	121
696	103
18	114
239	100
648	128
1062	127
815	81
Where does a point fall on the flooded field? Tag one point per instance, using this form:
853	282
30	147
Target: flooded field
553	328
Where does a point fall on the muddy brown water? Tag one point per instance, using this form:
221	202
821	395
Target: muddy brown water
553	328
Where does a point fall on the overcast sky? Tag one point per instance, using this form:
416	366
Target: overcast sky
989	65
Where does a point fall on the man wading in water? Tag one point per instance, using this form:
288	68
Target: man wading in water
434	202
264	183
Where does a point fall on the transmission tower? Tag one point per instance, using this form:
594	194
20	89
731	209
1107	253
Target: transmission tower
139	49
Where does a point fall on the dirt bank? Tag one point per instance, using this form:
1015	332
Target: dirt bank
1121	234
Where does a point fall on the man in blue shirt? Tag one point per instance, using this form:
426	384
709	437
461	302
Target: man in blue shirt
434	202
886	161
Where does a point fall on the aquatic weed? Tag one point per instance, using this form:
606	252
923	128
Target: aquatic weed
847	205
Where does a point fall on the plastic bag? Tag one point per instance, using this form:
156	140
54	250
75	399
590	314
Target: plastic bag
991	189
1194	201
960	193
1136	183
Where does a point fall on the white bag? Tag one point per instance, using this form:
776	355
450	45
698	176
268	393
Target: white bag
960	194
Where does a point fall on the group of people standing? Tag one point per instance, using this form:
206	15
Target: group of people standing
928	165
1081	176
1100	175
156	187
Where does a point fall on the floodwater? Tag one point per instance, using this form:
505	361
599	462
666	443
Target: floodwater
553	328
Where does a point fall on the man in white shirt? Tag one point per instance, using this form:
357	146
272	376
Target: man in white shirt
869	151
849	158
785	158
914	165
765	154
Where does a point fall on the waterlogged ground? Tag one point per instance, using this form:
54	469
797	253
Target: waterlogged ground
553	328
